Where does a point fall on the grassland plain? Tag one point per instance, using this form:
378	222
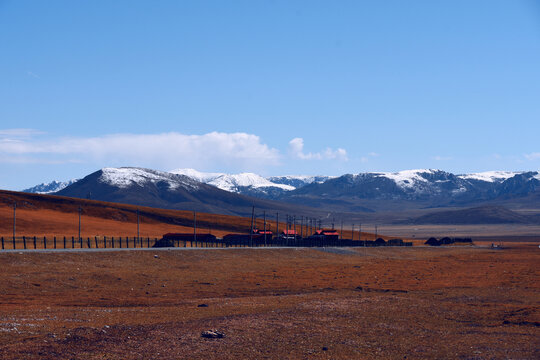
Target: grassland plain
392	303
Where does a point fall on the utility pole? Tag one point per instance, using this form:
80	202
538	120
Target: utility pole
264	216
138	238
195	228
277	224
80	240
251	230
364	240
14	220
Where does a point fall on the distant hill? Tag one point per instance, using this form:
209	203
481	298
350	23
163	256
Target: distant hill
363	193
165	190
50	187
476	215
416	189
252	184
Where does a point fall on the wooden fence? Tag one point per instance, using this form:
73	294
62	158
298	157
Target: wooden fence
126	242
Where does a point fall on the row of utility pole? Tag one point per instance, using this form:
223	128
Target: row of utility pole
79	212
307	224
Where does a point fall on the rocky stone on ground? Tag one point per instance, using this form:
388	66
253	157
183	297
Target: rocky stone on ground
212	334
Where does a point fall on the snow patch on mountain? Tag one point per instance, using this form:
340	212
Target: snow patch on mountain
490	176
50	187
204	177
299	180
231	182
407	178
127	176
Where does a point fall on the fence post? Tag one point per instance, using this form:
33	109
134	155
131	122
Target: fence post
54	239
14	242
73	242
112	241
35	243
64	242
2	243
104	242
148	241
44	242
24	241
120	240
95	238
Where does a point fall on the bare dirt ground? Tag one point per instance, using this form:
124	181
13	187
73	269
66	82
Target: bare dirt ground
391	303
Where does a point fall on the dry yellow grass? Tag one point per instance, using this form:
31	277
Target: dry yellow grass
386	303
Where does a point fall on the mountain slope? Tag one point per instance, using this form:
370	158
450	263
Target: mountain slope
244	183
363	192
477	215
417	189
153	188
50	187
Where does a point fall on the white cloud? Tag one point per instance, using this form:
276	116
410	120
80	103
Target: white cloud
296	149
166	150
18	133
533	156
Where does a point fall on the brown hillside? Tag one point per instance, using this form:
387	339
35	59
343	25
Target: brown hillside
50	215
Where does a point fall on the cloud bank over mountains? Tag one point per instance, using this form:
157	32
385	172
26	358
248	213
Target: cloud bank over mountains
166	150
296	149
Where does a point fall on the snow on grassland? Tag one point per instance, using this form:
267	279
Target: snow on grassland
126	176
490	176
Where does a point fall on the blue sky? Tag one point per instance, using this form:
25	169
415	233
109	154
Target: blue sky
274	87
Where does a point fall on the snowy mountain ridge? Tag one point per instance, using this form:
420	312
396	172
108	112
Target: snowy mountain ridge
50	187
233	182
126	176
406	184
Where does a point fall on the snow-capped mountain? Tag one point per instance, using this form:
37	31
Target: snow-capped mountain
252	184
128	176
146	187
421	188
491	176
297	181
50	187
232	182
